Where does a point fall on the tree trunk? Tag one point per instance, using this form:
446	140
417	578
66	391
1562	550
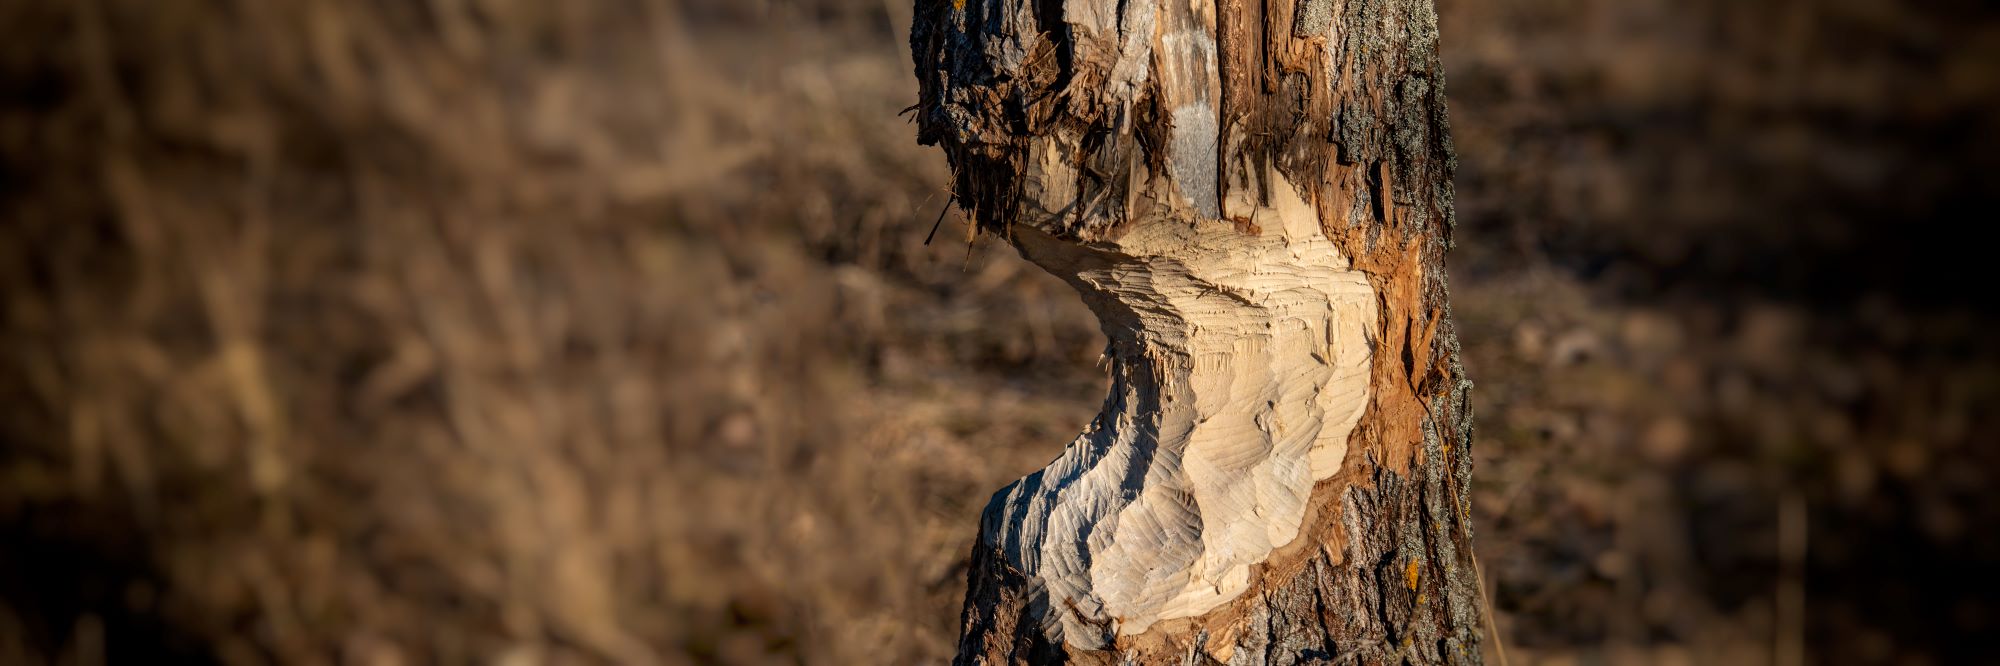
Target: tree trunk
1254	196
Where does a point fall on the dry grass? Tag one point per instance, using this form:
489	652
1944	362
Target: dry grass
387	334
511	331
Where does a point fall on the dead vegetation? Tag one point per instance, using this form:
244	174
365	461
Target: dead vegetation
483	330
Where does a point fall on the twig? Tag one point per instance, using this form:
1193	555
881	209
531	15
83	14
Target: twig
1492	625
934	225
1789	637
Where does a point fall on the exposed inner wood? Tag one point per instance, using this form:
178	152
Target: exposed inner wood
1240	364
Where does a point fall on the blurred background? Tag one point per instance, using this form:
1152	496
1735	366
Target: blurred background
520	332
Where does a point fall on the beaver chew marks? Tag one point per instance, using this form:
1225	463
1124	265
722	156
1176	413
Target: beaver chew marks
1240	364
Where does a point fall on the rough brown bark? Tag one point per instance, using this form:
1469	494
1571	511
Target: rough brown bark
1085	131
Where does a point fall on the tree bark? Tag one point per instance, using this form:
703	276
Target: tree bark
1254	196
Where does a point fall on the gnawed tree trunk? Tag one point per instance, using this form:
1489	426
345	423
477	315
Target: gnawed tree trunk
1254	196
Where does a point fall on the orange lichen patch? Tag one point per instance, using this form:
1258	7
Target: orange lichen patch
1410	573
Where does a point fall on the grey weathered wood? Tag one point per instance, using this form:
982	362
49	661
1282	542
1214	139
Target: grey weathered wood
1255	198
